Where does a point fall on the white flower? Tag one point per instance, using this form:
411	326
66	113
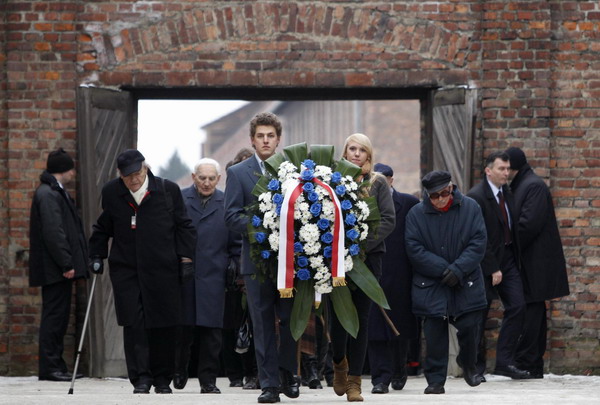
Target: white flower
348	263
323	288
274	241
270	221
365	232
316	261
312	248
309	233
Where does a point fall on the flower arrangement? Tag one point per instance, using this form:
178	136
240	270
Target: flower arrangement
310	224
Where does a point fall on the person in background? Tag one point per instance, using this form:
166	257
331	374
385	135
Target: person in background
544	269
500	264
204	293
57	257
445	241
276	363
153	243
388	353
349	353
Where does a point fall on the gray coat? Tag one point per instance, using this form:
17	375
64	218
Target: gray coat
204	297
437	241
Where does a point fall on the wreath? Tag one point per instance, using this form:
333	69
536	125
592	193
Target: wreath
308	231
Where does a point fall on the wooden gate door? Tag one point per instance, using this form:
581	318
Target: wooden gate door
105	128
453	120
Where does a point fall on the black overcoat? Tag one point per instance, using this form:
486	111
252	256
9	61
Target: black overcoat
56	240
494	223
204	297
396	279
144	262
542	258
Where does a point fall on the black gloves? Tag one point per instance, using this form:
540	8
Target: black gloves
449	278
97	265
186	271
232	274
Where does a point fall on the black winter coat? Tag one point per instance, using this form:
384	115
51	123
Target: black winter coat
437	241
144	262
542	258
396	279
56	239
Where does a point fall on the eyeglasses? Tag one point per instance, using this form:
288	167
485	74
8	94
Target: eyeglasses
443	194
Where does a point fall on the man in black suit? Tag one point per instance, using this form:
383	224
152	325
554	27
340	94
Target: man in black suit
275	367
500	264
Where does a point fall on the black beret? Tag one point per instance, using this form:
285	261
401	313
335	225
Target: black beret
384	169
59	161
436	180
517	157
130	161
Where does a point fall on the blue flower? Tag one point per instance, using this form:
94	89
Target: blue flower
350	219
315	209
302	261
308	163
277	199
323	224
352	234
278	210
303	274
273	185
327	237
340	190
346	205
265	254
354	249
256	221
298	248
260	237
327	251
308	187
307	175
313	197
336	177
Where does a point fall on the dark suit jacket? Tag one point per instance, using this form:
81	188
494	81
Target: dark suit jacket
494	223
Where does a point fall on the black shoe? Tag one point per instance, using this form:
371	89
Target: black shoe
163	389
251	384
57	376
399	383
472	377
236	383
180	380
482	378
209	389
435	389
380	388
269	395
315	384
512	372
289	384
141	388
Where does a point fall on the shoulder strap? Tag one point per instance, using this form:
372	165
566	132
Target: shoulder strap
168	195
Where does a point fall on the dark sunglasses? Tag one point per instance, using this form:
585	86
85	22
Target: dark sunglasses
443	194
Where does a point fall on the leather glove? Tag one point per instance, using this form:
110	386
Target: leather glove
186	271
449	278
97	265
233	270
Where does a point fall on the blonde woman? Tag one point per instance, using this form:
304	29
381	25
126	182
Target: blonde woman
349	353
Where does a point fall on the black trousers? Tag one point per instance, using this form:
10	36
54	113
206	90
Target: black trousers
436	338
149	352
387	359
56	306
532	345
207	342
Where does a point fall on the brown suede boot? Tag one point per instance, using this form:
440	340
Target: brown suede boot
340	377
353	389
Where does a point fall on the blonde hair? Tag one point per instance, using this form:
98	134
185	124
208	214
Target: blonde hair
365	142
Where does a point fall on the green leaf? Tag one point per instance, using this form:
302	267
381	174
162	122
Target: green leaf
261	186
344	309
303	302
374	214
347	169
296	153
272	163
322	154
366	281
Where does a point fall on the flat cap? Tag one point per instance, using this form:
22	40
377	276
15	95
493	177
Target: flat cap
384	169
436	180
517	157
130	161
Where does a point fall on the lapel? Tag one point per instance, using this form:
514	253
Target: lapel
253	169
489	195
196	204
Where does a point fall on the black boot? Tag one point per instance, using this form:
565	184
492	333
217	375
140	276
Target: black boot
310	372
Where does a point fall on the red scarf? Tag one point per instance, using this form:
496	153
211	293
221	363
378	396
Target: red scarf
447	206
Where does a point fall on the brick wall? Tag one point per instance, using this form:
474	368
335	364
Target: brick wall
535	64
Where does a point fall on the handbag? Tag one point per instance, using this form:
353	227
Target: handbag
242	343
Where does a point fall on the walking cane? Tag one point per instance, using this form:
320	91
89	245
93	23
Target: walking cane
85	321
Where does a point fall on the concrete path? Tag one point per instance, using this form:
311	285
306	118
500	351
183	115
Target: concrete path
553	389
